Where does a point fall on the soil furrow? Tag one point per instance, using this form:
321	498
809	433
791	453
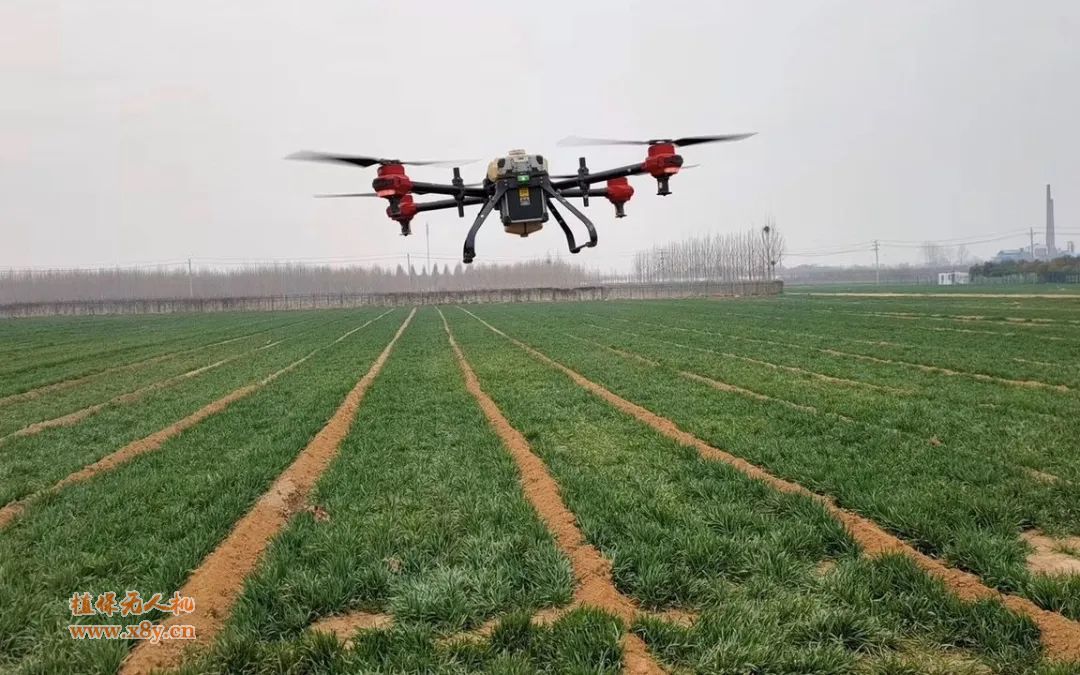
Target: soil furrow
831	379
217	582
127	397
67	384
748	393
14	509
1060	636
618	352
592	572
925	367
1043	296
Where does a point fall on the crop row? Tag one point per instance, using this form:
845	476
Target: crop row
420	531
767	578
149	521
966	501
20	373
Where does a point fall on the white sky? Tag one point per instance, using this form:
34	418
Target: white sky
151	131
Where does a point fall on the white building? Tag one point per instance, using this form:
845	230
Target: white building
953	278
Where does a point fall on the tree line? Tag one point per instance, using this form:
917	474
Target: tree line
23	286
751	256
743	256
1058	270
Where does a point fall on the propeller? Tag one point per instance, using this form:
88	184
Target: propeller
680	142
562	176
362	161
350	194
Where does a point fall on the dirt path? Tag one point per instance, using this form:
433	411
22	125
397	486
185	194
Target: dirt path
742	391
127	397
1044	296
67	384
217	582
617	352
14	509
831	379
749	393
1060	636
592	572
1008	321
925	367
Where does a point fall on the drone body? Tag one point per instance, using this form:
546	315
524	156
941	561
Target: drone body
520	187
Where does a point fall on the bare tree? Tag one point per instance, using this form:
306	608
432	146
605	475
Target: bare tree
963	256
935	255
747	256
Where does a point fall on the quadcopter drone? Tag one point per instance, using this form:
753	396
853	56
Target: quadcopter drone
520	186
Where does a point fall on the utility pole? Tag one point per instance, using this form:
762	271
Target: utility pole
1031	232
408	263
427	237
190	285
877	265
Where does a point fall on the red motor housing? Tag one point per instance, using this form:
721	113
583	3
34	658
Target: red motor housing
663	160
619	191
391	181
402	209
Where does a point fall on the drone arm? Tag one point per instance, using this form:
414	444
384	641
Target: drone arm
449	203
600	176
444	189
577	193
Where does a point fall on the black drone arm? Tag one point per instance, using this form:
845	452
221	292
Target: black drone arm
578	192
599	176
444	189
449	203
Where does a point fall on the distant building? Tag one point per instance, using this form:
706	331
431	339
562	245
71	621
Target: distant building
1011	254
1051	247
953	278
1049	251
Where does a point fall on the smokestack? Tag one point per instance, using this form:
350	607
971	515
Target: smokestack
1050	248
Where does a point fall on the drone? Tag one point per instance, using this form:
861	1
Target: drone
520	186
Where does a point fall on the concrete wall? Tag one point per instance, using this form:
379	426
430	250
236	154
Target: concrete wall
339	300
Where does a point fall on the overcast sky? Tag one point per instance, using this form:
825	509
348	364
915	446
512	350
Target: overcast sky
153	131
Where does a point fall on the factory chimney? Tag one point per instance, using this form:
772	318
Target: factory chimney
1051	250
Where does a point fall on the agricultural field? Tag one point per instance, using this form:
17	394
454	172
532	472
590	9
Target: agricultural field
830	481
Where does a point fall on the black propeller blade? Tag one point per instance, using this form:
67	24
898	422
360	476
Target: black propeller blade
363	161
562	176
680	142
350	194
